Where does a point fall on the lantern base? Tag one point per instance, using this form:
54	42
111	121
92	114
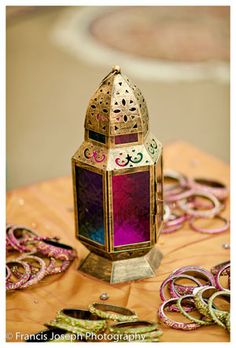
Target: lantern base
122	270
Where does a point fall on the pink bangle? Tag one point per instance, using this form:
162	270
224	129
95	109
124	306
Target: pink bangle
218	275
171	323
174	224
8	273
53	268
183	204
212	186
166	230
39	275
176	219
174	293
180	179
57	250
24	277
224	228
202	274
217	267
178	196
18	243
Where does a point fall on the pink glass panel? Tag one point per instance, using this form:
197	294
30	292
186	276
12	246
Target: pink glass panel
126	138
131	208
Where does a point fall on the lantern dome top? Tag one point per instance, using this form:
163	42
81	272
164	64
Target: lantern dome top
117	107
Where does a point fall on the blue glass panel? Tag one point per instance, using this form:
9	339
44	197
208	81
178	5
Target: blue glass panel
90	204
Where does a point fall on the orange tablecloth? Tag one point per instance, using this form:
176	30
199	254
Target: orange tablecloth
48	207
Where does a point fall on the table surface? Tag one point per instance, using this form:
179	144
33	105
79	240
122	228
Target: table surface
48	208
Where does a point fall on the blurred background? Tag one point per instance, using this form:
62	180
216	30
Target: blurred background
57	56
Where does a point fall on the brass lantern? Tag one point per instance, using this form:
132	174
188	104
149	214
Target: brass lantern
118	184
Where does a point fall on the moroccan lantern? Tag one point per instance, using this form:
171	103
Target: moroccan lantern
118	184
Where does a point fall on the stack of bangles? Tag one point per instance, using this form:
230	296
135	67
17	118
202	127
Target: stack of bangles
40	257
200	297
89	324
183	202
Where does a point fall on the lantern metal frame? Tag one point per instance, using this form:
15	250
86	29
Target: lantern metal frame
108	262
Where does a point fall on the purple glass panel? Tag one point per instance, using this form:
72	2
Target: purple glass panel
131	208
126	138
90	204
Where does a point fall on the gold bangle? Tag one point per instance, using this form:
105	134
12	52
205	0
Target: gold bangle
119	313
79	320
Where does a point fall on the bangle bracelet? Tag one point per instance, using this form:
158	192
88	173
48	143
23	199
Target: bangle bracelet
201	303
187	315
8	273
224	228
219	319
180	181
202	273
119	313
59	251
179	196
217	267
218	275
176	219
227	322
24	277
171	323
174	294
166	215
171	229
80	319
39	275
215	187
183	204
27	235
138	327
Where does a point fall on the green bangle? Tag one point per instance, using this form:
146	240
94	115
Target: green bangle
119	313
135	327
221	318
227	322
200	304
188	316
81	321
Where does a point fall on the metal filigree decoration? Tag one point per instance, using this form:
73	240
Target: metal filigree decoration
117	107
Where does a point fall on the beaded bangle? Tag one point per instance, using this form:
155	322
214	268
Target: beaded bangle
8	273
217	267
81	319
201	304
167	230
218	275
119	313
218	319
180	179
224	228
39	275
227	322
171	323
59	251
187	315
24	277
215	187
200	213
174	293
138	327
17	243
202	273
